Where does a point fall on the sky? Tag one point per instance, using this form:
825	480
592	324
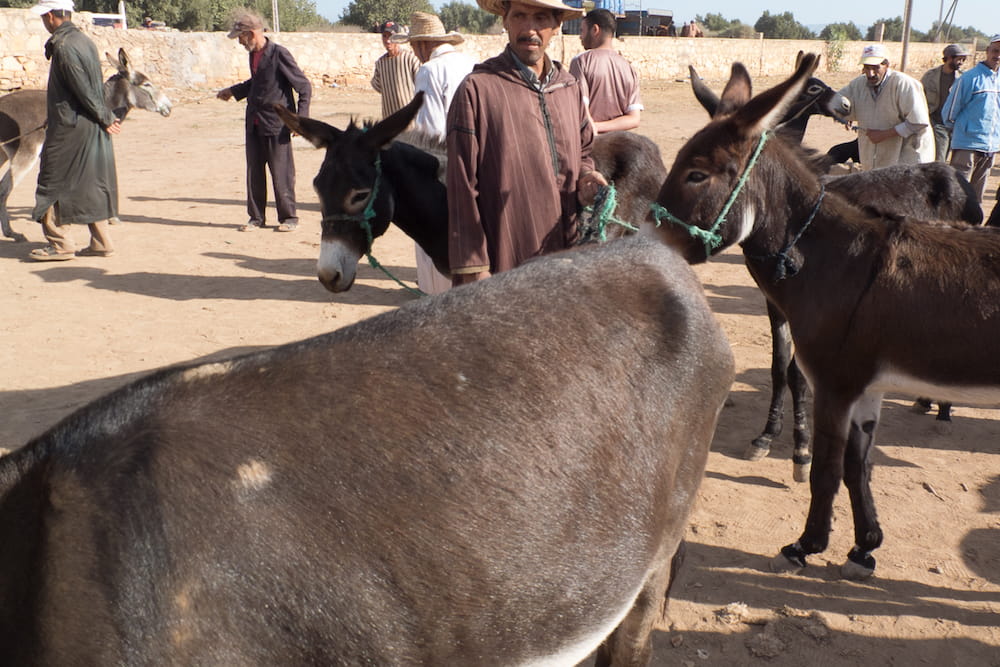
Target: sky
981	14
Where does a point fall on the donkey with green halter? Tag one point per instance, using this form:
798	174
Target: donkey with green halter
379	172
866	296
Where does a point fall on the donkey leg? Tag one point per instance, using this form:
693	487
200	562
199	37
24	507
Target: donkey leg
781	358
631	643
831	421
857	477
801	456
6	185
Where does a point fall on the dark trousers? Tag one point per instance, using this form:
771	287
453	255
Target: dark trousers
274	152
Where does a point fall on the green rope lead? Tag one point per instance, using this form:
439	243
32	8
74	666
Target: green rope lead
601	214
365	222
711	237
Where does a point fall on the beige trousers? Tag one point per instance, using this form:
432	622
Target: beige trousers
59	238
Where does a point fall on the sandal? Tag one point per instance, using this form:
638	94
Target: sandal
50	254
90	252
250	226
288	226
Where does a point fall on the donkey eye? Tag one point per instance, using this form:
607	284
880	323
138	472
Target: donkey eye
696	176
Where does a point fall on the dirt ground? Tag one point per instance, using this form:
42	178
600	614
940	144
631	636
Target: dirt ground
186	285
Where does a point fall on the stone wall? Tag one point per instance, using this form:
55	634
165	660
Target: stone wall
184	60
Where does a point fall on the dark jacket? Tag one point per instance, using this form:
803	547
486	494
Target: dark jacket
277	75
77	167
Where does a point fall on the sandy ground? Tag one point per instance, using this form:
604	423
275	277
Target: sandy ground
186	285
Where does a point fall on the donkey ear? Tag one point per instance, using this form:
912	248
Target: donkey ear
113	61
318	133
737	92
798	58
124	64
386	130
766	110
705	97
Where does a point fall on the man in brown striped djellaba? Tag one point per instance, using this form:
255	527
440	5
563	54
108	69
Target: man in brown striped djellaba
519	143
394	71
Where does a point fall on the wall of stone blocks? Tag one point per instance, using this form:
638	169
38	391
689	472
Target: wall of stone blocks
185	60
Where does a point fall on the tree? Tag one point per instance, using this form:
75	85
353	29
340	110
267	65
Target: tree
370	13
782	26
467	18
894	31
841	32
715	23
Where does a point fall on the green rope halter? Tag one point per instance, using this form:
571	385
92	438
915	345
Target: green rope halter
710	237
365	221
600	215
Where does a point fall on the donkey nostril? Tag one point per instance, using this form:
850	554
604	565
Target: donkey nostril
359	197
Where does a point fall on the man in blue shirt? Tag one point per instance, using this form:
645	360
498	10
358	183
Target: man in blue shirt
972	111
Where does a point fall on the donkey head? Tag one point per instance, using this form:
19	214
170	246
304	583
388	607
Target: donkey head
130	89
815	99
709	199
356	201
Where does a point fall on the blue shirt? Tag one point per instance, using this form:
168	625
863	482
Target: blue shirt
973	111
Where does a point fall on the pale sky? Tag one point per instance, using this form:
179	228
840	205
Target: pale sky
981	14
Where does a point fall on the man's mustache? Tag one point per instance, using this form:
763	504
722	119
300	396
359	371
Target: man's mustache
529	40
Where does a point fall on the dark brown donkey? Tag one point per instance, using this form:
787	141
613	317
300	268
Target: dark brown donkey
403	177
866	297
22	124
927	191
485	477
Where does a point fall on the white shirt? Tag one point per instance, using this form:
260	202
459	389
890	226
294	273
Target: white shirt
438	78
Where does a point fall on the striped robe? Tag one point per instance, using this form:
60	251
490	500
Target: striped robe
514	157
393	80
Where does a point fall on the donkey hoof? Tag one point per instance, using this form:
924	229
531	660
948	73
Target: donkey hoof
858	566
757	450
800	471
789	560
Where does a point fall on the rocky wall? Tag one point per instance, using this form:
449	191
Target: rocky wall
191	60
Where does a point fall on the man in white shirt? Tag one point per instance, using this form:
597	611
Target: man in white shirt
442	70
894	125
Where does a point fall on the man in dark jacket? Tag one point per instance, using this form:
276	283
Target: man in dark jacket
77	182
274	74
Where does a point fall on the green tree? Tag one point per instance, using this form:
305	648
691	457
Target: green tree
894	31
841	32
370	13
782	26
715	23
467	18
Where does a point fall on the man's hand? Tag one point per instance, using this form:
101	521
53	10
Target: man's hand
225	94
115	127
458	279
878	136
587	186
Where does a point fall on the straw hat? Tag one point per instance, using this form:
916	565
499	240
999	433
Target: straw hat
426	27
496	7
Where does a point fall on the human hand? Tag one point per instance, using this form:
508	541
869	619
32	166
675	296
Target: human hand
225	94
878	136
115	127
588	185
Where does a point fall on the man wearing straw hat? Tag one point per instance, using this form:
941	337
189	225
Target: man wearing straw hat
442	70
519	143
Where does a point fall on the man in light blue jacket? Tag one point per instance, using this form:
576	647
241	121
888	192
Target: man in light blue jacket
972	110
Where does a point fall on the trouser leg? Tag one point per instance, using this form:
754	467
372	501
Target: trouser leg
282	166
942	142
983	163
100	238
256	178
56	235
